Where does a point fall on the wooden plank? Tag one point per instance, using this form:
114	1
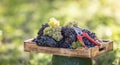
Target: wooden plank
30	46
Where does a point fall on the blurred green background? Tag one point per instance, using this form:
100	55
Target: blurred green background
21	20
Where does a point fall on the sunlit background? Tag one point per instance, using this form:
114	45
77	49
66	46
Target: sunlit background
21	20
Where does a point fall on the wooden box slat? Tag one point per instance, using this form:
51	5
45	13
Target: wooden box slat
107	46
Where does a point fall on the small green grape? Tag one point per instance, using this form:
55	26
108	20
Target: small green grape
72	24
76	44
54	32
54	29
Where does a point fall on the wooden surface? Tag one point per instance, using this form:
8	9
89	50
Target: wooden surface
107	46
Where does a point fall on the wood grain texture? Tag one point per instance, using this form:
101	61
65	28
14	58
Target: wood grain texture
106	46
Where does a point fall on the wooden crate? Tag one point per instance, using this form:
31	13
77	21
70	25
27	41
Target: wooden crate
107	46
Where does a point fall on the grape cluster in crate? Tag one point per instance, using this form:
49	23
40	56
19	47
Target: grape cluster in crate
69	36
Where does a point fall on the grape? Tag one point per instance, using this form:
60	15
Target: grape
54	29
69	36
53	35
86	41
76	44
54	32
64	44
45	41
72	24
40	32
91	34
69	33
53	22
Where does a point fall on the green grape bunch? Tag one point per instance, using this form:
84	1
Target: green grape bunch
54	30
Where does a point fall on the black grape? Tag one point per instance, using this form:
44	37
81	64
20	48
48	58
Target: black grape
40	32
87	42
69	36
45	41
